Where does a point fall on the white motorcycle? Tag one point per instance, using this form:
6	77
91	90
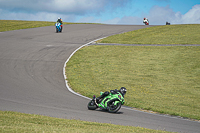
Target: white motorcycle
146	21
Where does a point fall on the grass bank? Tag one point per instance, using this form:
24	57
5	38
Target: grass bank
168	34
7	25
11	122
163	79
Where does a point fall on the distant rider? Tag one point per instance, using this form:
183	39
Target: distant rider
122	90
146	21
61	22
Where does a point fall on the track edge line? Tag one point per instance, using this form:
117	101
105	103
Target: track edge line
64	73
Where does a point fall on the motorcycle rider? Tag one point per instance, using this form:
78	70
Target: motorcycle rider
61	22
122	90
146	21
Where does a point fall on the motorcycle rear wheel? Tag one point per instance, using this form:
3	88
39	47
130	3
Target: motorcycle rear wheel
114	108
92	105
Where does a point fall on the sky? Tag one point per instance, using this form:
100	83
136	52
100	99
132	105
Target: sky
126	12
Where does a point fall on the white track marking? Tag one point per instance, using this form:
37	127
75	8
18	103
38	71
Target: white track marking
65	77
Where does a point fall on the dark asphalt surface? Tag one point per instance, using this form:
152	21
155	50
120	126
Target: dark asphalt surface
31	77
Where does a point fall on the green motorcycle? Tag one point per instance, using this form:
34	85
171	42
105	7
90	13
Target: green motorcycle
112	103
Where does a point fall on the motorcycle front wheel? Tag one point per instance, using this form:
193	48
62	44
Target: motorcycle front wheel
92	105
114	108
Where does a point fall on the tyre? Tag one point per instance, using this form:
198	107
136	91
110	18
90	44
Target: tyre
92	105
56	30
114	108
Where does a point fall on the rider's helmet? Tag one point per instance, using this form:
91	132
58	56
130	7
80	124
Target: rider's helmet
123	91
59	19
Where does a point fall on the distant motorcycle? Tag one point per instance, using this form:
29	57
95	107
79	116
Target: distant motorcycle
167	23
58	27
146	21
111	103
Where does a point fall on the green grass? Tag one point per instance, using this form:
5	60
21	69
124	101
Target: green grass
13	122
163	79
169	34
7	25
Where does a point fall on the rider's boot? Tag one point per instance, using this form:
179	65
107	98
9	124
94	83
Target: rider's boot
98	99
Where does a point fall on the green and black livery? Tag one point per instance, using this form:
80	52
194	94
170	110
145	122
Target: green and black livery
112	103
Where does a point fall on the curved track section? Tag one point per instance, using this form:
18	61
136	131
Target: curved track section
31	77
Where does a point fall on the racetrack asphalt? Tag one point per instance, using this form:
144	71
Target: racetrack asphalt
31	77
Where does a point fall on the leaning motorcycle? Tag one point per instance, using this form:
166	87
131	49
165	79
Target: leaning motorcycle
146	21
58	27
111	103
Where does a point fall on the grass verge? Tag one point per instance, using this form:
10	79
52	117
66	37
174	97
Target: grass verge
7	25
11	122
168	34
163	79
